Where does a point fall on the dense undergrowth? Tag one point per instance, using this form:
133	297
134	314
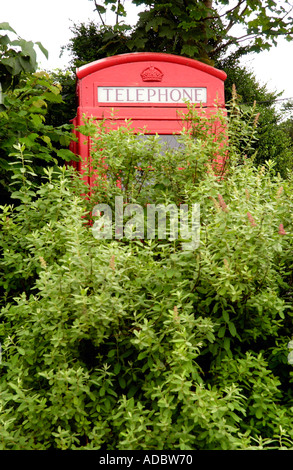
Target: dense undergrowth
137	344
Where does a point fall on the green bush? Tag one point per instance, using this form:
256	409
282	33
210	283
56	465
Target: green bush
138	344
24	121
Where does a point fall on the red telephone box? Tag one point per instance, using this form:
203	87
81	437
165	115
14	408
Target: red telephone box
148	88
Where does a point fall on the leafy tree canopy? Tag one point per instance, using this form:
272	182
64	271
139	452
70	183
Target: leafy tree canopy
204	30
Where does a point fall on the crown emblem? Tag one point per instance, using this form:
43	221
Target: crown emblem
151	74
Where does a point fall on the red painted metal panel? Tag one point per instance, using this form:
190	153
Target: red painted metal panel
148	88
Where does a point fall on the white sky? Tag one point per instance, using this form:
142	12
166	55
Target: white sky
49	21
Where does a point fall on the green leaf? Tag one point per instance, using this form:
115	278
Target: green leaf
232	328
53	96
112	392
43	49
100	8
259	413
6	26
37	119
4	40
16	389
65	154
189	50
142	355
25	64
117	368
226	316
122	382
221	332
28	50
154	23
40	103
12	64
227	344
132	391
46	139
21	351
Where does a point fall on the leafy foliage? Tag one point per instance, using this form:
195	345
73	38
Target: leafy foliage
90	43
24	121
16	56
136	344
207	29
204	30
27	95
63	111
272	137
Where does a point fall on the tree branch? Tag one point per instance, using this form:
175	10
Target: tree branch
246	37
117	12
226	12
232	22
99	13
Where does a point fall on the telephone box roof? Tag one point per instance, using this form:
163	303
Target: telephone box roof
100	64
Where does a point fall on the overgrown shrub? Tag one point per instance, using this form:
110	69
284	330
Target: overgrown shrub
138	344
